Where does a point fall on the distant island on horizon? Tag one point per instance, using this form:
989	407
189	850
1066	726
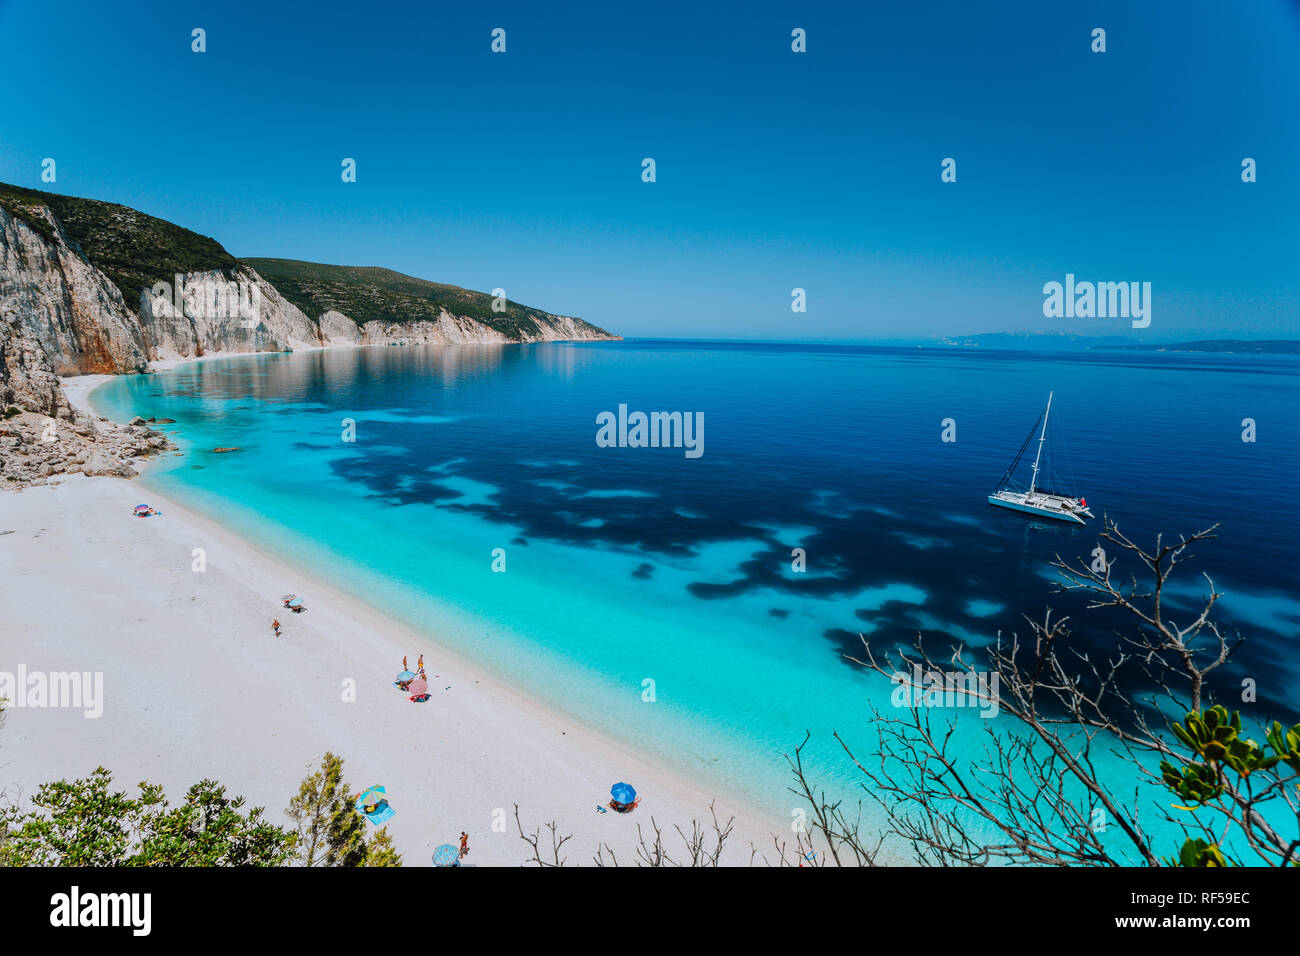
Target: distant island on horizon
1021	342
1066	341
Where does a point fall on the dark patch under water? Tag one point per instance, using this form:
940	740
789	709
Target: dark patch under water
842	446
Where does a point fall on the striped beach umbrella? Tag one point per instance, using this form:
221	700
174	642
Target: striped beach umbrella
373	805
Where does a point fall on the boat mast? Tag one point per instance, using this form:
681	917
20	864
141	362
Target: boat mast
1041	438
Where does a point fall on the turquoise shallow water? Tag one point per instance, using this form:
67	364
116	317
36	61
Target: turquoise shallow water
628	565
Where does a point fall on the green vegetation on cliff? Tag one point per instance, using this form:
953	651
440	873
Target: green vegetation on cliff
366	293
135	251
132	249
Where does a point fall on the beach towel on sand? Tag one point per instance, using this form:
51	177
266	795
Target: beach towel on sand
382	812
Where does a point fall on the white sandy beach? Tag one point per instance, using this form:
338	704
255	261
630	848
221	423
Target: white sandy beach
196	685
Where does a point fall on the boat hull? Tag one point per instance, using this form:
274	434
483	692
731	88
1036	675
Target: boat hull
1039	510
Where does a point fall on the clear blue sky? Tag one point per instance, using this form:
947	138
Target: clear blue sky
775	169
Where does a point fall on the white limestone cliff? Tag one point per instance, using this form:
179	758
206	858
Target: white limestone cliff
60	315
51	294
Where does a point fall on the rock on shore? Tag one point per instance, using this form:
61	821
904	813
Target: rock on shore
35	448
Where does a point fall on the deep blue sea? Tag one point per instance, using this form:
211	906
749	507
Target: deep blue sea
632	565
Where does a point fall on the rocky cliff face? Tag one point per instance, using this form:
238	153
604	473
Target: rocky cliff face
465	330
214	313
51	294
61	315
27	379
198	313
67	307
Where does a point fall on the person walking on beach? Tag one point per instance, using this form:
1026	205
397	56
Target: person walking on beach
275	626
464	844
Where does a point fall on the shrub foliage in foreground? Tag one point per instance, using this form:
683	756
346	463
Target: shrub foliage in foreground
87	823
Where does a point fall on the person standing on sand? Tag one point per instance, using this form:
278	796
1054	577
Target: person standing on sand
464	844
275	626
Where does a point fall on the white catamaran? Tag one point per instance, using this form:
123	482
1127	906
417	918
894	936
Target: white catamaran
1038	501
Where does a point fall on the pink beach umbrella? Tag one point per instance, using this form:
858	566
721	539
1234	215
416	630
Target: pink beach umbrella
418	687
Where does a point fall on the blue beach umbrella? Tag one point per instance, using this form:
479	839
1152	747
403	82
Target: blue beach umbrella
446	855
623	793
